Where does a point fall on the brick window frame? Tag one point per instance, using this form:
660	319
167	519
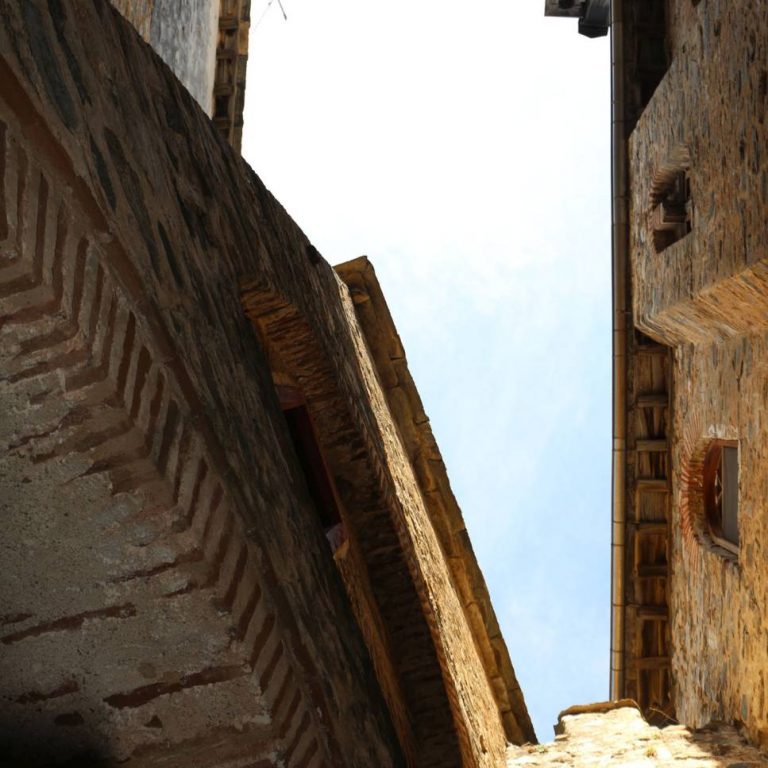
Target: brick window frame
699	518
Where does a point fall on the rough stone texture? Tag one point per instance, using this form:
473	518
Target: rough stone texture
368	459
711	106
103	425
167	592
139	13
615	734
170	593
184	33
424	455
720	608
386	600
707	296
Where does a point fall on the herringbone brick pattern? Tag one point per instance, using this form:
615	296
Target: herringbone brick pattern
73	345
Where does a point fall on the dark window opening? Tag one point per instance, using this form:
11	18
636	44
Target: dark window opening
313	466
671	216
721	493
221	107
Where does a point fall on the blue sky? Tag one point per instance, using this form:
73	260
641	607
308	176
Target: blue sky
464	148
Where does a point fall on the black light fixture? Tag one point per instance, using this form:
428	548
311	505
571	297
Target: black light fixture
595	18
594	15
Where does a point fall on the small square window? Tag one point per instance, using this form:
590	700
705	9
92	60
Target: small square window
671	215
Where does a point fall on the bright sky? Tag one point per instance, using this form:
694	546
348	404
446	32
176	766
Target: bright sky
464	148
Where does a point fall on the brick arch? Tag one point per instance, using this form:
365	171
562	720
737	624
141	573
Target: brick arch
693	518
108	399
219	224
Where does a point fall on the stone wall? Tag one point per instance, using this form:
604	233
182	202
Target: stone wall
169	590
707	296
614	734
710	113
719	615
424	455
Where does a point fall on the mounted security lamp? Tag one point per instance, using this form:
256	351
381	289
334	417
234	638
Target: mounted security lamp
593	15
568	8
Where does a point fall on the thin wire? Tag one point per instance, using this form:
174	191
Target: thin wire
264	13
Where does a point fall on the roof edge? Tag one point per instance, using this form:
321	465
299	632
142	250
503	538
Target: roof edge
413	424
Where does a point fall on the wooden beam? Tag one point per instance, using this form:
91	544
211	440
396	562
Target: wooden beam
649	527
652	484
651	349
652	571
652	612
650	662
651	446
653	400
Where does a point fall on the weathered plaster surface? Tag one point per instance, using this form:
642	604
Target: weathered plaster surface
184	34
